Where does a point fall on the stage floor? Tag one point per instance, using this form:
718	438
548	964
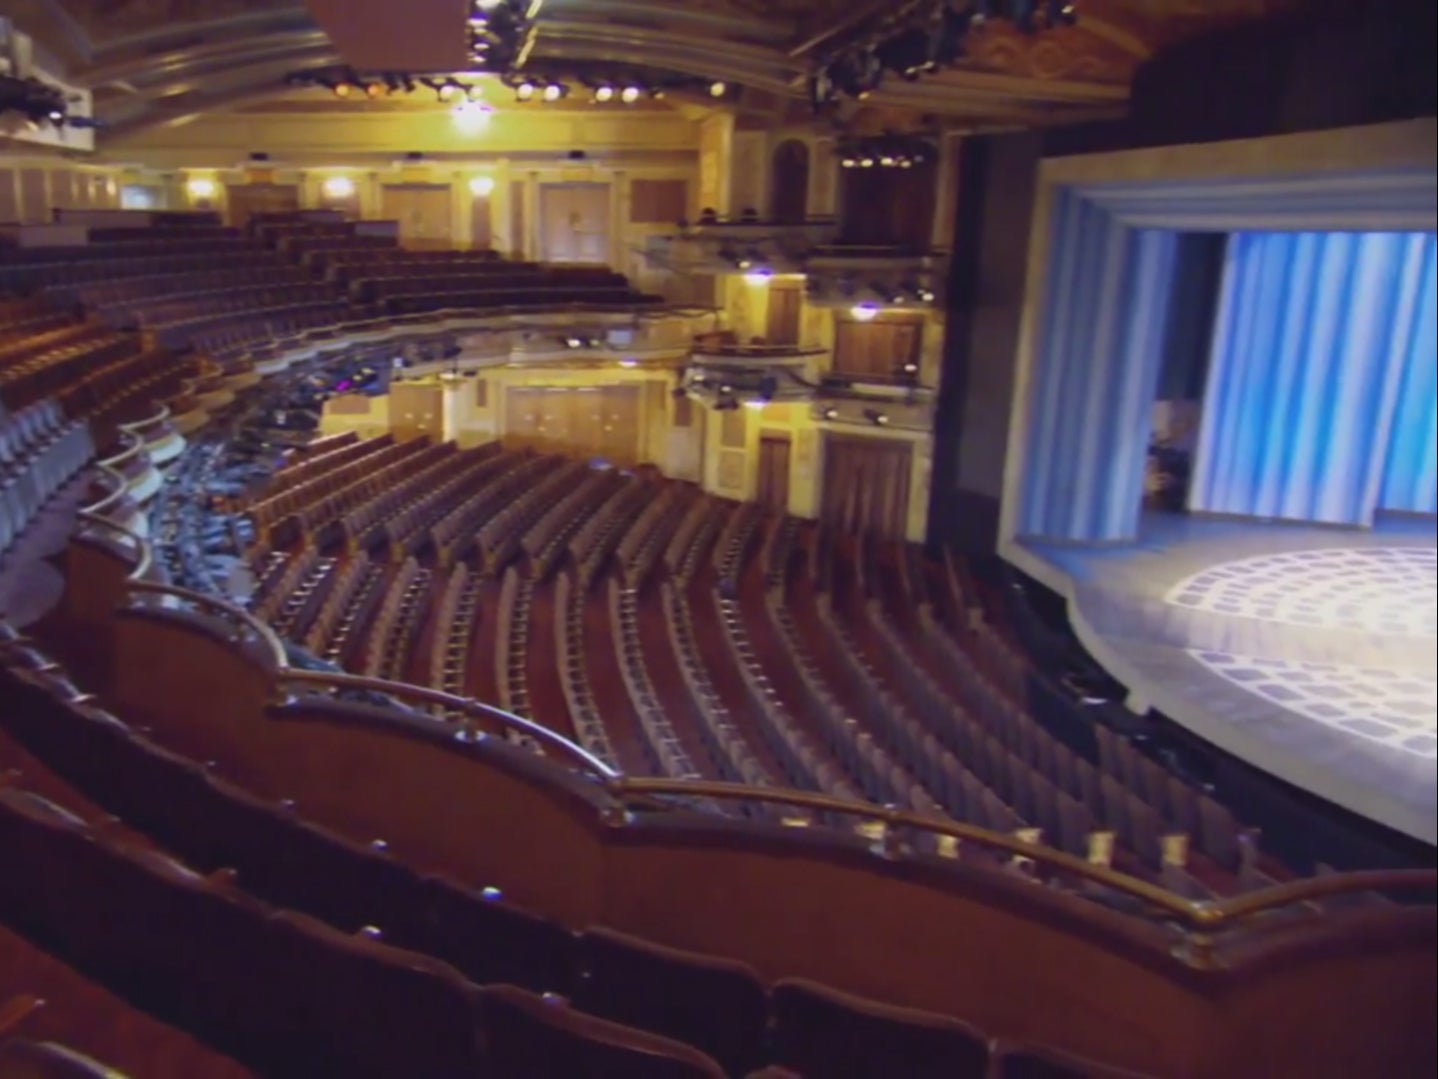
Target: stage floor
1307	651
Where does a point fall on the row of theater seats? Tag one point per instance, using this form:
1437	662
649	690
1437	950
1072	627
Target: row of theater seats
281	943
39	453
942	731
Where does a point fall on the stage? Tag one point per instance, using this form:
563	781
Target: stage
1307	651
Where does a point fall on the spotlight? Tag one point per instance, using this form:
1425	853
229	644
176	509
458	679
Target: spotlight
629	95
374	90
553	92
849	162
524	91
604	93
830	414
342	89
718	89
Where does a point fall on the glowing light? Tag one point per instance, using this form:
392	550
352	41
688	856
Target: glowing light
628	363
553	92
718	89
338	187
755	404
524	91
481	186
863	312
629	95
201	187
604	93
470	116
757	277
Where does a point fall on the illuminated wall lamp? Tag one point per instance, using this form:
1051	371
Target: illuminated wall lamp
338	187
481	187
201	187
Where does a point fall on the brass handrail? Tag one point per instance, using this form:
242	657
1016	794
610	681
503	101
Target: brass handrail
1199	914
143	562
122	488
336	680
268	637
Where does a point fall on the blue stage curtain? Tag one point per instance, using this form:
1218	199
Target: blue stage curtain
1410	473
1094	376
1310	347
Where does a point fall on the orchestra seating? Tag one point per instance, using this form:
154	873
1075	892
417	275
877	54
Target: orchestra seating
220	896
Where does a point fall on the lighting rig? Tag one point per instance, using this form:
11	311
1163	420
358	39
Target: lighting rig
39	102
885	152
501	33
540	83
921	37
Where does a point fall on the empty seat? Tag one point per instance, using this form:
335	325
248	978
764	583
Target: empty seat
821	1033
716	1005
541	1037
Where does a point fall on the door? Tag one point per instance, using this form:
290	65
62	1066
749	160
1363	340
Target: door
789	183
574	223
866	485
784	305
415	411
773	489
244	201
423	212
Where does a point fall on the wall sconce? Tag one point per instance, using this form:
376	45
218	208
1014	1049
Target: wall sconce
481	187
338	187
201	187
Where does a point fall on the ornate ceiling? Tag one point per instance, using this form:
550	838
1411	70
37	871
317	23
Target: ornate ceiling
168	61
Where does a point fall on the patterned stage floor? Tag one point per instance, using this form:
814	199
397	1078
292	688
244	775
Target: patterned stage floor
1308	651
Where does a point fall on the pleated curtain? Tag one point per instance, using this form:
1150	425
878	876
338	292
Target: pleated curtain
1094	378
1318	342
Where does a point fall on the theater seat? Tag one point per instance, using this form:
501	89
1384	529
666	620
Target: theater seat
1035	1062
46	1060
716	1005
824	1034
541	1037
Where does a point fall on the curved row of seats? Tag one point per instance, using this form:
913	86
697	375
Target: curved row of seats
281	942
940	731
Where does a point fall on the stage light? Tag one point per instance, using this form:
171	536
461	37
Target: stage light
374	90
629	95
718	89
338	187
863	312
553	92
604	93
524	91
342	89
481	186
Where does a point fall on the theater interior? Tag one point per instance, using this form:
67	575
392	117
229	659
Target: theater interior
692	538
